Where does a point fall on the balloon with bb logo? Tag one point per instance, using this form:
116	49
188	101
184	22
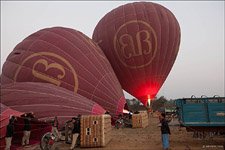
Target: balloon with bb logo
141	41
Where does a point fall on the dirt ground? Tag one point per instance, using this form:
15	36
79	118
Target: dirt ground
149	138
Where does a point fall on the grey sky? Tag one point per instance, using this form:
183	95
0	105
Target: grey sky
199	67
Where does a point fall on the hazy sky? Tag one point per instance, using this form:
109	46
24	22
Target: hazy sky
199	67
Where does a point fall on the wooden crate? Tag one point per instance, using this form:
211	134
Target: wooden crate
95	130
140	120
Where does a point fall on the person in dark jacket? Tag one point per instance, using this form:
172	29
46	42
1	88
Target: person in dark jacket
9	134
26	130
165	131
78	138
68	132
75	131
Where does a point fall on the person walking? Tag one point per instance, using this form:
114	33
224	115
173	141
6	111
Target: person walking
165	131
26	130
75	132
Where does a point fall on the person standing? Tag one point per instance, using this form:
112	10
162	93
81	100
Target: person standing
75	132
9	134
78	138
68	131
55	125
165	131
26	130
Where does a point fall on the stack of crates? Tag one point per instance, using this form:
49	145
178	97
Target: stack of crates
140	120
95	130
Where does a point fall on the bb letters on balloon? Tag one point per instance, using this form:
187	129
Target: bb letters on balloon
143	43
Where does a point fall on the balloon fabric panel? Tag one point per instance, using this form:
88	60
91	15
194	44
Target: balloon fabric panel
47	100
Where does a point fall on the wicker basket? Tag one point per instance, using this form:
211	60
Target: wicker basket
95	130
140	120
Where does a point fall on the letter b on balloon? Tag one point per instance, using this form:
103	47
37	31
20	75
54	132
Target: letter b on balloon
131	46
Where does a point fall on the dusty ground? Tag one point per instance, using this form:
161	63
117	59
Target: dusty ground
150	139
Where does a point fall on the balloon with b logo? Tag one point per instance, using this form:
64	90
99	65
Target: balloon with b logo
67	58
141	41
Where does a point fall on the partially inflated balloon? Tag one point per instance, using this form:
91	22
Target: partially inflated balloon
141	41
66	58
47	101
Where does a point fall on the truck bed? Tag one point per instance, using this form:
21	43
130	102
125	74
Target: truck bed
201	112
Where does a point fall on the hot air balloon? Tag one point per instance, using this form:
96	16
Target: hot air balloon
141	41
46	101
69	59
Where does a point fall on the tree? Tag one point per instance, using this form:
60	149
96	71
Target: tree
158	103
